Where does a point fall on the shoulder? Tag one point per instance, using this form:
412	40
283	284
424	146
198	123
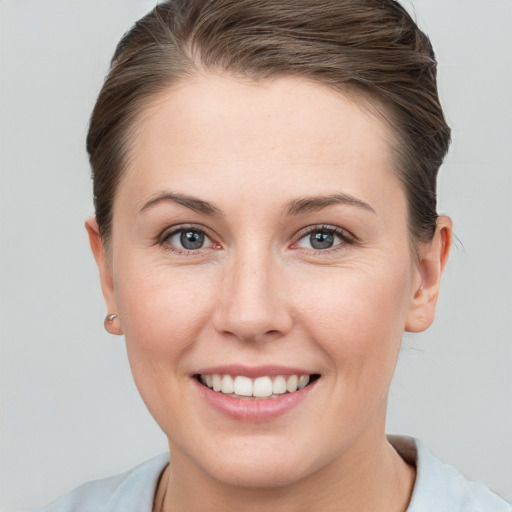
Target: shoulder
132	491
440	486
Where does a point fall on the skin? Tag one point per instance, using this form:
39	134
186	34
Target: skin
258	293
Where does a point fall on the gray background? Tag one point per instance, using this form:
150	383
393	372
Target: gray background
69	409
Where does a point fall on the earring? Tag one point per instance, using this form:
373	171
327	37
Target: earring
109	324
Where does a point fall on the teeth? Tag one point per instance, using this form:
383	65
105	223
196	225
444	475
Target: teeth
303	381
261	387
228	386
279	385
291	384
216	382
243	386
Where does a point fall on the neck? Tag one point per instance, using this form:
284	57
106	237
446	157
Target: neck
375	479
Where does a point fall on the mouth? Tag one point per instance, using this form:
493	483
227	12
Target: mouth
259	388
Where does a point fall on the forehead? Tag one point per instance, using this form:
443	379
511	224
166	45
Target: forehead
286	133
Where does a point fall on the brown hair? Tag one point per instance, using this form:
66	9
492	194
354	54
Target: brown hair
368	47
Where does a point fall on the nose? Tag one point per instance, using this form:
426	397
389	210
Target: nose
253	306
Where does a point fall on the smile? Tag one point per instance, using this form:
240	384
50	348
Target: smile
241	386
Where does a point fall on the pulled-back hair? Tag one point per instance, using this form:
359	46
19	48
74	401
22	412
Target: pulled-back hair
370	49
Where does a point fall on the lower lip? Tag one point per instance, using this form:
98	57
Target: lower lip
250	410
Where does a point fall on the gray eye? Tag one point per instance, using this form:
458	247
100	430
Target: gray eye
189	239
192	240
321	240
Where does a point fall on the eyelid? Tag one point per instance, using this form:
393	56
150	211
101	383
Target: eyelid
172	230
168	232
346	237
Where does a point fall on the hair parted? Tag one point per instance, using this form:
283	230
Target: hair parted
371	49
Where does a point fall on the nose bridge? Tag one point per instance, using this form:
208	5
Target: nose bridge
252	305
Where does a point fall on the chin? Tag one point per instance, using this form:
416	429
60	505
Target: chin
267	463
256	475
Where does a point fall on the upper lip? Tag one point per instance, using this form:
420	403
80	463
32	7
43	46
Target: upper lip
252	371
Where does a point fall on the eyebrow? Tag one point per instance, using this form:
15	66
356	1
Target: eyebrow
316	203
192	203
295	207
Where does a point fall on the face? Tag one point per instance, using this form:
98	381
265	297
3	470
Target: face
260	243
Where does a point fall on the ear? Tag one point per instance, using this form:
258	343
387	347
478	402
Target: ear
432	260
105	271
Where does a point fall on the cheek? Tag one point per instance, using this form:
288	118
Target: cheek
163	312
163	309
357	320
358	316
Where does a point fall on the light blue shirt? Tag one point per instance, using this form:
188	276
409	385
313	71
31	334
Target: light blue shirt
438	487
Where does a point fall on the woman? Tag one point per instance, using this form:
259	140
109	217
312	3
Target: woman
265	231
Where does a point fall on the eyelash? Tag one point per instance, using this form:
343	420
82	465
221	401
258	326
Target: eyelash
164	238
345	237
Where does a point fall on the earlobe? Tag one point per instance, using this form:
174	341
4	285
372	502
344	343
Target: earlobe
105	272
432	261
